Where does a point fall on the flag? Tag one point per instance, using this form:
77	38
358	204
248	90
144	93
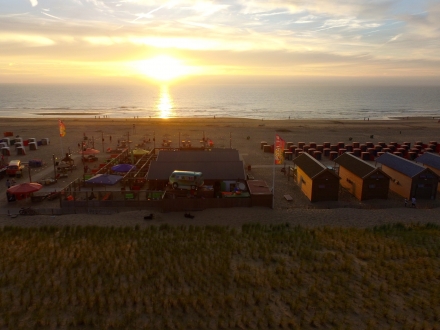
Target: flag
62	128
279	150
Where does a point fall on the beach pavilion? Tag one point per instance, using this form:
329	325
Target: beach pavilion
409	179
223	172
219	167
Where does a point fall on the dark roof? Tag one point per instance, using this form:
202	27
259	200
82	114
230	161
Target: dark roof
355	165
214	155
212	170
258	187
429	159
310	165
400	164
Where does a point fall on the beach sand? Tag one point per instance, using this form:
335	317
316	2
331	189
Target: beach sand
242	134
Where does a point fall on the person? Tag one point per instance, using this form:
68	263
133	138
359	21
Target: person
406	202
8	184
13	182
413	202
110	138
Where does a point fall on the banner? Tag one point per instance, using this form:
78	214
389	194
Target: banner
279	150
62	128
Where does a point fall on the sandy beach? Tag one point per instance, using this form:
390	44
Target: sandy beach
243	135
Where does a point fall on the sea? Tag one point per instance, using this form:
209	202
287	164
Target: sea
259	101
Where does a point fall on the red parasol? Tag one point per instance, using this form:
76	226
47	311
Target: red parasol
89	151
25	188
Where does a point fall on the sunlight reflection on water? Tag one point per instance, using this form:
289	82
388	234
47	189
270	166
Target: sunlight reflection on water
165	104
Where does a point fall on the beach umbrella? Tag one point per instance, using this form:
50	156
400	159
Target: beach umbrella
123	167
90	151
105	179
25	188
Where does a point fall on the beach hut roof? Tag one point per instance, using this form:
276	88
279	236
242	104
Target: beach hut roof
311	166
355	165
429	159
400	164
212	170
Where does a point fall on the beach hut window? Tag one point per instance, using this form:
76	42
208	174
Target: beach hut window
322	186
372	186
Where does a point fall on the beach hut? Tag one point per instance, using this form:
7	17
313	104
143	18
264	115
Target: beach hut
21	151
316	181
407	178
362	179
6	151
431	161
45	141
261	194
33	146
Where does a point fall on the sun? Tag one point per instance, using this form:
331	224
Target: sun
162	68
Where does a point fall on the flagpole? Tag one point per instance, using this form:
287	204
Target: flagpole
273	171
61	142
62	129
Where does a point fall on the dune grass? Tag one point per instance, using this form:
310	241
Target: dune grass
217	277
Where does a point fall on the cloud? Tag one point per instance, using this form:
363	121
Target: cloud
256	35
395	38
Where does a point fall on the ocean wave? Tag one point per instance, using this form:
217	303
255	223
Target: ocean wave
226	101
55	108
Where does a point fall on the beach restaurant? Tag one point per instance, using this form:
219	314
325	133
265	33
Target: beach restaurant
220	167
224	178
361	179
409	179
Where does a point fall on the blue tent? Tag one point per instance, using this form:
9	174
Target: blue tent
106	179
123	167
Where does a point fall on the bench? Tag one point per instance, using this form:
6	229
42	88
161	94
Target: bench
288	198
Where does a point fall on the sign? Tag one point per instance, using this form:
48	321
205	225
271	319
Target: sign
279	150
62	128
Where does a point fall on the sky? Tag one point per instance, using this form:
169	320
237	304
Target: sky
91	40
